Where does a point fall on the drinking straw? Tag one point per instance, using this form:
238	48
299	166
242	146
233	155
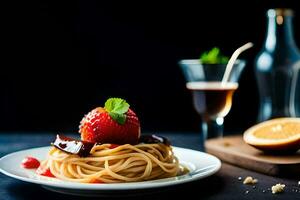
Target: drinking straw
231	61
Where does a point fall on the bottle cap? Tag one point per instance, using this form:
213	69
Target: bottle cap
280	12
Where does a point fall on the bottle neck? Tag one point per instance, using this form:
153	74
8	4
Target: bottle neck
279	31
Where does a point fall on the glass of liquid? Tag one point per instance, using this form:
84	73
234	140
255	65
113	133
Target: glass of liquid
212	98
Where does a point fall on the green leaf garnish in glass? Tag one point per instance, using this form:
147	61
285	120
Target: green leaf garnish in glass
213	56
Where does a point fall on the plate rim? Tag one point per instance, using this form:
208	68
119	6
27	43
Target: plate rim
116	186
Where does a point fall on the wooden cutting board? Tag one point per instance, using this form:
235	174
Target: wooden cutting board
234	150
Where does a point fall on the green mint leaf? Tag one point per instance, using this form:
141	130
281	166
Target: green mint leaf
213	56
117	107
224	60
120	118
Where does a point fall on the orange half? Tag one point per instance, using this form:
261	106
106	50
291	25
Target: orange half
281	134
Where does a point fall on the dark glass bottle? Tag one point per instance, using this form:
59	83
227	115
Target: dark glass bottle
277	68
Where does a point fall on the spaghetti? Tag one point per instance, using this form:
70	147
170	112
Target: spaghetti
124	163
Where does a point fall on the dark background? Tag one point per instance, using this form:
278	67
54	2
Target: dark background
60	59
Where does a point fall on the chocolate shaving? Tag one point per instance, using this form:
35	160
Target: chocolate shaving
152	139
73	146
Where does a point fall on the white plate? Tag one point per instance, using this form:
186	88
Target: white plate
200	165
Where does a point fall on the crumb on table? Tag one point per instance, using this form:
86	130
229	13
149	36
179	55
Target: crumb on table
250	181
226	144
278	188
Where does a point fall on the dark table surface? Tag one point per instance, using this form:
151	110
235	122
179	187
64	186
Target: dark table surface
225	184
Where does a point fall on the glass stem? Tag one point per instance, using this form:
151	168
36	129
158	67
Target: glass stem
212	128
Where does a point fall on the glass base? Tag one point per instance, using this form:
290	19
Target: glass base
212	128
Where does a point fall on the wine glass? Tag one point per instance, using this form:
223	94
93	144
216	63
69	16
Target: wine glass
212	98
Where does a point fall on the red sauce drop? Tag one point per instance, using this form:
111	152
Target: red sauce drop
96	181
30	163
112	146
44	171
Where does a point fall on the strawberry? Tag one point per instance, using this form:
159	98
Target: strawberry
116	123
30	163
44	171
